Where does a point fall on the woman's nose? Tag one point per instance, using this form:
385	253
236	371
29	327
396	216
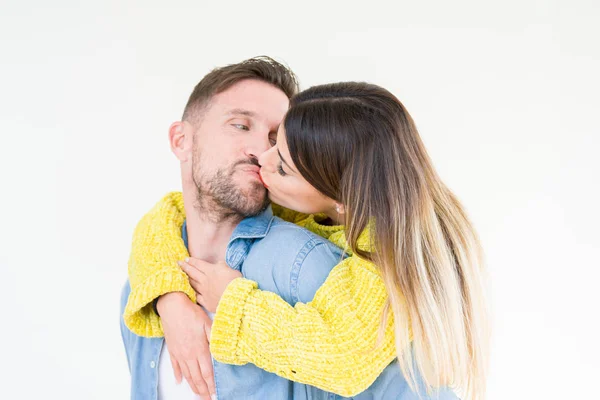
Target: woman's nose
265	158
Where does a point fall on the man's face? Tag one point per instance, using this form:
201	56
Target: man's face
235	128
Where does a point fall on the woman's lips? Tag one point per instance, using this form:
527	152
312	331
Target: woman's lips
261	179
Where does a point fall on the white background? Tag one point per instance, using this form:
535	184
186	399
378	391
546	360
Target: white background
505	94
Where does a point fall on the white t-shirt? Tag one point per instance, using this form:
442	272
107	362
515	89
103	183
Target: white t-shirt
168	389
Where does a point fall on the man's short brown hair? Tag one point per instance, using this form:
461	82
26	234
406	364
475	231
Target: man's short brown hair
261	68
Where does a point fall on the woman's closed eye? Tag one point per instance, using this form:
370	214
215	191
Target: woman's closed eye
280	169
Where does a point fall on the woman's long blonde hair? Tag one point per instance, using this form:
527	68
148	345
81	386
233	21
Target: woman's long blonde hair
356	143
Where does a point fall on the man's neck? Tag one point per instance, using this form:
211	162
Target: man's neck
208	234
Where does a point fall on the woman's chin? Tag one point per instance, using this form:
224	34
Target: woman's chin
276	200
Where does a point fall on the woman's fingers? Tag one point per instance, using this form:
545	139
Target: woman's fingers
176	370
200	265
191	271
188	378
198	378
198	286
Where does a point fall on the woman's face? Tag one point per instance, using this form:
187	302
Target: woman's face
285	184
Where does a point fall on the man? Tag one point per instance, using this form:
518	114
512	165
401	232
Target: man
230	119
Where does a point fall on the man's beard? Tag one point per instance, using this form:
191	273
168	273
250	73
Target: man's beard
220	198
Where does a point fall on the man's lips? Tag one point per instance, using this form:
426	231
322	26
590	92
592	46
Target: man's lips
255	170
251	168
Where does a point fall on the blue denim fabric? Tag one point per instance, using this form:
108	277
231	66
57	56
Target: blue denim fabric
285	259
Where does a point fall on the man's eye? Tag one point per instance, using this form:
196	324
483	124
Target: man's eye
240	126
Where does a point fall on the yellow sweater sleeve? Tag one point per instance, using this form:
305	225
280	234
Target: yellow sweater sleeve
331	342
153	270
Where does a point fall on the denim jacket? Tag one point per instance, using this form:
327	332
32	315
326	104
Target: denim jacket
285	259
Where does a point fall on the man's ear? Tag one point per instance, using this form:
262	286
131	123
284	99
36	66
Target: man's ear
180	140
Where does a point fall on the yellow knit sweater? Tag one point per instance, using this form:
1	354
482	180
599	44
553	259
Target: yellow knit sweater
331	342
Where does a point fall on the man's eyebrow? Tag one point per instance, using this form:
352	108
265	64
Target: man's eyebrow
241	111
283	160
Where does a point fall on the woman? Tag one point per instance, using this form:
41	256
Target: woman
349	159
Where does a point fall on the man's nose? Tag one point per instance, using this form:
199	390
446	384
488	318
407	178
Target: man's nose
257	147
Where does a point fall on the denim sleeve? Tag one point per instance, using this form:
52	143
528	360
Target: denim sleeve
125	332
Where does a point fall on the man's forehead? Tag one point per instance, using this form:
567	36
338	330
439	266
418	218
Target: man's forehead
252	99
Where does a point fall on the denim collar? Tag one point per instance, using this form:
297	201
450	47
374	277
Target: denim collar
255	227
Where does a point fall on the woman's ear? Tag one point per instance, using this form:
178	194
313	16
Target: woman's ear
339	208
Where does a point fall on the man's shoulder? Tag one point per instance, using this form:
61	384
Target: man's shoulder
291	261
286	232
285	242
